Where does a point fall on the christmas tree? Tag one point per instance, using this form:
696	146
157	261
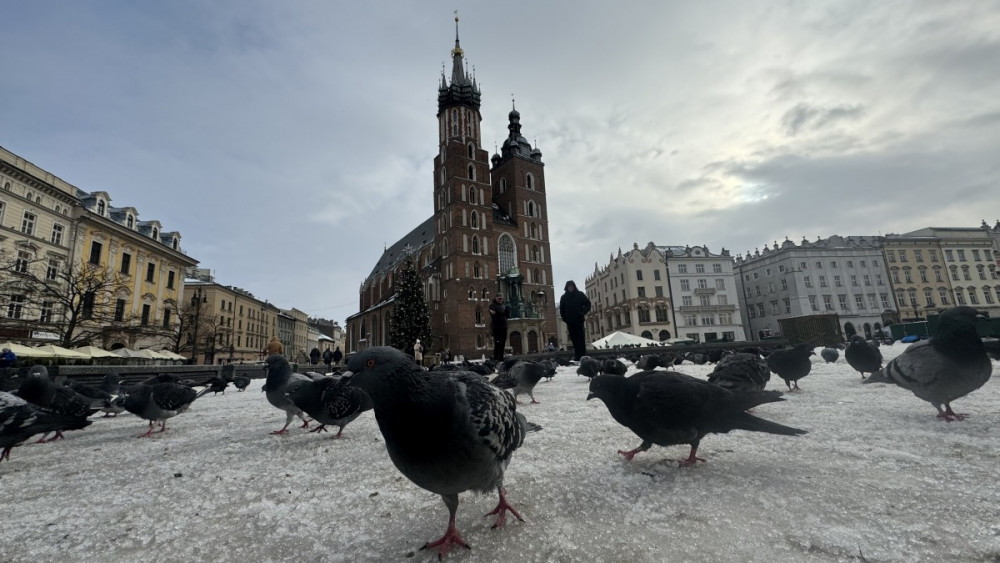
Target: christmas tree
410	318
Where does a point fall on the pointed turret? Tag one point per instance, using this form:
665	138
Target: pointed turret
463	91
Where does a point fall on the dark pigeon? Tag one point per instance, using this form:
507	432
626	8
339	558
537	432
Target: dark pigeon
103	394
696	358
158	402
279	383
716	354
20	420
329	402
241	382
947	366
41	391
521	378
648	362
862	356
589	367
613	367
791	364
667	408
829	354
741	372
216	385
447	432
550	369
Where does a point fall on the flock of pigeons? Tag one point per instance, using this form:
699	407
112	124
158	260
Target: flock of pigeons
469	422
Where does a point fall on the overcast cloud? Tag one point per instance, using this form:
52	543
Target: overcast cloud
289	142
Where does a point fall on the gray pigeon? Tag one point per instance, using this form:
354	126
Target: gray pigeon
20	420
862	356
589	367
949	365
648	362
667	408
279	383
448	432
829	354
791	364
521	378
158	402
613	367
741	372
241	382
328	401
105	393
39	390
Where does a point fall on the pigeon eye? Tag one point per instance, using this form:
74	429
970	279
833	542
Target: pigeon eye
370	363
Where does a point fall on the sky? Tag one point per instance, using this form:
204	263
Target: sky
290	142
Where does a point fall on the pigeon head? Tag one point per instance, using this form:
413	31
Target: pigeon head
961	316
379	371
857	338
605	387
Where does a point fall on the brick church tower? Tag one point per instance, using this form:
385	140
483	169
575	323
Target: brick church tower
488	234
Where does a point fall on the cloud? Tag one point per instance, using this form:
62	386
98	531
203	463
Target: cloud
805	116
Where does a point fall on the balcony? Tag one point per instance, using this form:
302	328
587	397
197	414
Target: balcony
704	291
707	308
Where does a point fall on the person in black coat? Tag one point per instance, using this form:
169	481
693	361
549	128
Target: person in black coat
328	358
314	356
573	308
337	356
499	313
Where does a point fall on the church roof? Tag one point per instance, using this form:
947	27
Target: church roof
415	240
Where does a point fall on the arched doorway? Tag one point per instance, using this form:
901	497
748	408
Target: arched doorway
647	334
516	346
532	342
664	335
849	330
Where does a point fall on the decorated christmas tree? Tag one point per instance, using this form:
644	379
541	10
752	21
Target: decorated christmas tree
410	317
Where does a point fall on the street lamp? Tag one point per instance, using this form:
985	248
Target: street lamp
196	300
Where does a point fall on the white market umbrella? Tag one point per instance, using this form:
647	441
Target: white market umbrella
619	338
54	351
96	353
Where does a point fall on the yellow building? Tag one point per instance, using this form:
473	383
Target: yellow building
233	326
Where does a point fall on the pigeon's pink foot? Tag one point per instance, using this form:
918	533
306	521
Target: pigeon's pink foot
631	453
305	424
320	428
147	433
339	433
691	459
5	454
949	415
282	431
445	542
502	507
534	402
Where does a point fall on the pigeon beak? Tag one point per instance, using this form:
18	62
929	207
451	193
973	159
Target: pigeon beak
591	396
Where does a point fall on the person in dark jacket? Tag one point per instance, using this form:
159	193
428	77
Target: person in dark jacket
573	308
328	358
499	313
314	356
337	356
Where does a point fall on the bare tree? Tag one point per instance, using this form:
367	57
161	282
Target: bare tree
213	333
79	302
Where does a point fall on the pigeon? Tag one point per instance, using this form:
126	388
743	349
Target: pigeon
741	372
791	364
830	354
613	367
716	354
521	378
279	383
589	367
550	369
216	385
949	365
104	394
241	382
668	408
158	402
448	432
862	356
696	358
41	391
20	420
328	401
648	362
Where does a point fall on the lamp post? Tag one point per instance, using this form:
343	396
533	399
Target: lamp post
196	300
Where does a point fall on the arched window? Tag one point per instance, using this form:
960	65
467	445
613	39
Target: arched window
533	230
472	150
531	209
503	185
475	245
507	253
486	293
529	181
475	220
472	195
472	293
479	315
472	172
100	207
468	270
527	276
6	186
477	270
156	234
129	222
535	256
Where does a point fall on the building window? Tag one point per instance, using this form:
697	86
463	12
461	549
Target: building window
808	282
45	313
119	310
859	301
699	268
837	282
685	285
150	272
687	300
87	308
638	275
720	284
973	296
507	253
682	268
828	302
717	268
166	318
961	256
661	314
943	296
788	305
642	291
529	181
656	275
643	314
144	320
126	263
15	306
95	252
57	234
22	261
842	300
854	280
170	279
812	303
28	223
52	270
822	281
705	300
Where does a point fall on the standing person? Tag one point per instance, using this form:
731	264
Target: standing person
418	352
274	347
499	313
314	355
7	358
573	307
337	356
328	357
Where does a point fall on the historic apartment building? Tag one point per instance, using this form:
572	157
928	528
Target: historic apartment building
129	272
842	275
488	233
704	294
934	268
630	294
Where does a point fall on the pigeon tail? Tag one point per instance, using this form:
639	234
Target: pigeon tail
746	421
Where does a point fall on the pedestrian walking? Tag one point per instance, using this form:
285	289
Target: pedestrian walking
573	308
499	313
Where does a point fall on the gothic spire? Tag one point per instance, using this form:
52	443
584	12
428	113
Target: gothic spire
463	90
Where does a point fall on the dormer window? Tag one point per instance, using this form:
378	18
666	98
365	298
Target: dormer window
129	221
100	207
156	234
175	244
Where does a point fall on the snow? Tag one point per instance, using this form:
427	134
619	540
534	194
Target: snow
878	478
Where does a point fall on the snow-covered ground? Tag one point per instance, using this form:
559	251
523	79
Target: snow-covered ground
878	478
